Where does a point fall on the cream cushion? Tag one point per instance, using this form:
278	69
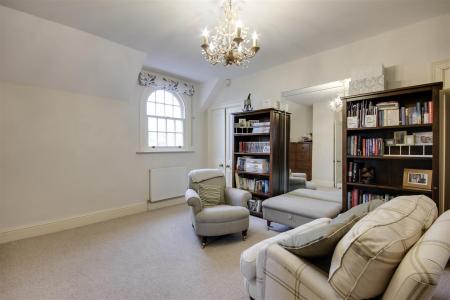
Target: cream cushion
366	257
418	274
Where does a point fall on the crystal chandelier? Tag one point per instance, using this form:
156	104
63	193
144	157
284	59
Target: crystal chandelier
229	44
336	104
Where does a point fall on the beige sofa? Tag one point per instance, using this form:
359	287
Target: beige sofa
413	262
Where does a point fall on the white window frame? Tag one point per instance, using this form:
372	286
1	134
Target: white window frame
187	123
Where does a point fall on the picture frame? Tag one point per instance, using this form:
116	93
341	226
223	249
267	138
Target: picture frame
242	123
423	138
417	179
400	137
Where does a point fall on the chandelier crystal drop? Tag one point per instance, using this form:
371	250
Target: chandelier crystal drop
229	44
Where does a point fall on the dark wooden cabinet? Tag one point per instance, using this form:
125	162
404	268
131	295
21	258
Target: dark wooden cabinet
300	158
389	169
276	136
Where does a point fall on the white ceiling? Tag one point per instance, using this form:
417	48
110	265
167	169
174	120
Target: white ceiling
169	30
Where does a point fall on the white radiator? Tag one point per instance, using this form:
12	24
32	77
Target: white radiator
166	183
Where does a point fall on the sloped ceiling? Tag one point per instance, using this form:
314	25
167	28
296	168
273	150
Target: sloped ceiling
169	30
34	51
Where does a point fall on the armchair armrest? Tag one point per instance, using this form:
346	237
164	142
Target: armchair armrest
237	197
286	274
193	200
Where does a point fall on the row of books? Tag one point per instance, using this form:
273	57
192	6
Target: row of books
366	114
253	165
353	171
357	196
261	127
362	146
255	205
255	147
252	184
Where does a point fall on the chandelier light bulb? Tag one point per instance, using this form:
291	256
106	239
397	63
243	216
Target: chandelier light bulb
205	32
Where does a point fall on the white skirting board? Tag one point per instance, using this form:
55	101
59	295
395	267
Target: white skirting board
13	234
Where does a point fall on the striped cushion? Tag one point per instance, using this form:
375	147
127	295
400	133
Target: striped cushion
366	257
418	274
211	195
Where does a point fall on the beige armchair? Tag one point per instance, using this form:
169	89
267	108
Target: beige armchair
231	217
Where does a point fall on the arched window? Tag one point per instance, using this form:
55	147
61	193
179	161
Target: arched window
165	116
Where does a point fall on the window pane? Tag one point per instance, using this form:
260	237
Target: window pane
152	139
151	108
161	124
179	126
152	124
151	98
169	98
171	139
161	139
160	109
160	96
177	112
176	102
170	126
179	139
169	111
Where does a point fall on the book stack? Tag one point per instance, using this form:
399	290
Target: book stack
357	196
253	165
252	184
388	113
362	146
261	127
254	147
255	205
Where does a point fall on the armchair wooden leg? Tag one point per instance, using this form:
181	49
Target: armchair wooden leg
268	224
244	235
204	240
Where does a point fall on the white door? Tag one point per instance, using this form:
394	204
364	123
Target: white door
229	138
216	138
337	153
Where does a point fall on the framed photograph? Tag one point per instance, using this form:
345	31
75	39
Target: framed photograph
242	123
423	138
400	137
417	179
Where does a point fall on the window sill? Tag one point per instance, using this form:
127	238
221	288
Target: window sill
190	150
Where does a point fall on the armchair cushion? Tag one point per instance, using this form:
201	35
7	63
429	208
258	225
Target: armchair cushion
237	197
211	195
366	257
320	241
222	214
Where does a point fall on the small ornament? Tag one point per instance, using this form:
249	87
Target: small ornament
248	104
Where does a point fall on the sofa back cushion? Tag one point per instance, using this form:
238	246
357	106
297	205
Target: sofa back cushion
366	257
418	274
211	195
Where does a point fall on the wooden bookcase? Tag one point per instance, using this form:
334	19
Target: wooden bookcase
278	157
389	169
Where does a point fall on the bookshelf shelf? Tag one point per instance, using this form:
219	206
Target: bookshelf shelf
252	153
388	171
398	127
252	134
253	173
250	146
387	187
392	157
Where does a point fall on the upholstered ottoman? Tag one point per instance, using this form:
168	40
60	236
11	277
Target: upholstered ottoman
302	206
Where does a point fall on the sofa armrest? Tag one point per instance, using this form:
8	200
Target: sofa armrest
193	200
237	197
287	275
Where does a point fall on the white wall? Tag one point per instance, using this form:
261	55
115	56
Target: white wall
65	154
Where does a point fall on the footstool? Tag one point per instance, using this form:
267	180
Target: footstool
302	206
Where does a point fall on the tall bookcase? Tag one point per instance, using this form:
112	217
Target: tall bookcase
277	157
389	169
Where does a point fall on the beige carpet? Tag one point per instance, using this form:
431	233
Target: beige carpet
153	255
